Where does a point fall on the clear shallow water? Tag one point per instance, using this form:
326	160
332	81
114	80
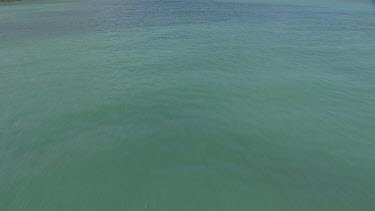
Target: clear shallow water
185	105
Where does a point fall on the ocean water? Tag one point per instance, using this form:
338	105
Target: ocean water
187	105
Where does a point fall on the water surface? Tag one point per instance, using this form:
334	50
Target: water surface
187	105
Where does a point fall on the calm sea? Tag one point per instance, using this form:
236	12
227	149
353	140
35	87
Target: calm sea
182	105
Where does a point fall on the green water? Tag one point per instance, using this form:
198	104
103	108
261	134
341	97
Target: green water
187	105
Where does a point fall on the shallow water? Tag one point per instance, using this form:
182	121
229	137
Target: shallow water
187	105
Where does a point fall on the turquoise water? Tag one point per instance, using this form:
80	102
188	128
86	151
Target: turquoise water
187	105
